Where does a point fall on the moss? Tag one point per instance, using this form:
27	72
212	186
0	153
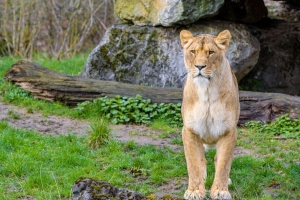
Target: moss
104	50
132	54
170	197
151	196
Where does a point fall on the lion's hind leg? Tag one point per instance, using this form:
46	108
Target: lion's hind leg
196	165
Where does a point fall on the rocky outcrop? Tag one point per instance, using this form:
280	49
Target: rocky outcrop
166	12
278	67
245	11
153	55
147	50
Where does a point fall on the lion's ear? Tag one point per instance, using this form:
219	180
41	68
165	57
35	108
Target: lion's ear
186	38
223	39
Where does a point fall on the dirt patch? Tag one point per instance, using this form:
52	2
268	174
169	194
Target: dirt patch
55	125
172	187
49	125
143	135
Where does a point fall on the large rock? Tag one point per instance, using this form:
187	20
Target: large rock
245	11
165	12
153	56
278	67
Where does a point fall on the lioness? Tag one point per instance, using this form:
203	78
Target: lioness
210	111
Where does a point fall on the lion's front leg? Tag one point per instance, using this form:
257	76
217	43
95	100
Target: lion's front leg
196	165
225	151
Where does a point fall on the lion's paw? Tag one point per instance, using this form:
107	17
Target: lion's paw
221	195
194	195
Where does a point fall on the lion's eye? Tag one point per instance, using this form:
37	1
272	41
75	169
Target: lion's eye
211	52
193	51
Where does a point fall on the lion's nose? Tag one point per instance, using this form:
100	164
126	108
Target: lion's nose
200	67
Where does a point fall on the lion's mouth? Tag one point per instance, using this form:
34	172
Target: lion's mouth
200	75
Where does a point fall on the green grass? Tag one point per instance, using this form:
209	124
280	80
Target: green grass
277	145
72	66
279	139
12	94
161	125
165	129
5	63
46	167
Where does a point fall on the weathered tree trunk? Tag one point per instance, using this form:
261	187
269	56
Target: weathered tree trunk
49	85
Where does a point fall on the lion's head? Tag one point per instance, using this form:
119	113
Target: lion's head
203	54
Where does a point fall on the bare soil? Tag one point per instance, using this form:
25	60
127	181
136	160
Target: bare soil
56	125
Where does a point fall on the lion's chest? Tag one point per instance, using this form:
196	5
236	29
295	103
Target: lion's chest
208	117
209	121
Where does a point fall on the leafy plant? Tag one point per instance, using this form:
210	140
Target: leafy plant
171	113
13	93
133	110
283	126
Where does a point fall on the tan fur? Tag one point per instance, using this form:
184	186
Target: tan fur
210	111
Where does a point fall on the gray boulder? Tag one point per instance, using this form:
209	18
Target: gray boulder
165	13
154	56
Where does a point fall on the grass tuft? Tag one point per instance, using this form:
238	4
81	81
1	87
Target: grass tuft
99	133
13	115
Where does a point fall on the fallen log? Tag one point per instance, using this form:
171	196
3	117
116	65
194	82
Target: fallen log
49	85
